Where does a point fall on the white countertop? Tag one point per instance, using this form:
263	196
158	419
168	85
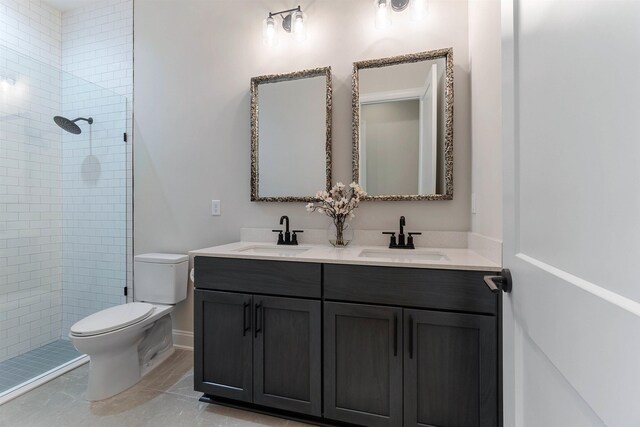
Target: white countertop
456	258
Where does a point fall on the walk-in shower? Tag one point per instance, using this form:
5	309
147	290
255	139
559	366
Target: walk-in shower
63	214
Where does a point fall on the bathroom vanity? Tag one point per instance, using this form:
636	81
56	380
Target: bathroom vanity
362	335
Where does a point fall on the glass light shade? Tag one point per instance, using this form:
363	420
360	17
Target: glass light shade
269	31
383	13
419	9
299	25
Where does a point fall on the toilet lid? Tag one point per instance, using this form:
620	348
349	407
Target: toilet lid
112	318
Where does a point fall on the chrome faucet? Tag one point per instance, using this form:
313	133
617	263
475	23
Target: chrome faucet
287	238
400	243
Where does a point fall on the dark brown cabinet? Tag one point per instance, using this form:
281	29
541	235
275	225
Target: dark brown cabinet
384	365
259	349
223	345
287	354
361	345
363	364
449	369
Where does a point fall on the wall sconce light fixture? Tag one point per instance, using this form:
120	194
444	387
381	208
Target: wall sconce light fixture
418	9
293	21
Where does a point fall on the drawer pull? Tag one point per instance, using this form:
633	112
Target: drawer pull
395	335
259	318
410	337
246	326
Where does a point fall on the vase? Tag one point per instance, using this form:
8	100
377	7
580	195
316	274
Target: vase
340	233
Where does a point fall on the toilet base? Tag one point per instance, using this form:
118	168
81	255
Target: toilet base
122	363
112	373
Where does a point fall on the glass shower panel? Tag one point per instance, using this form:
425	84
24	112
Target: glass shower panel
63	203
30	205
94	199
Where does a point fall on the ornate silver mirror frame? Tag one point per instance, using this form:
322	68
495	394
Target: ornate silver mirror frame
275	78
447	185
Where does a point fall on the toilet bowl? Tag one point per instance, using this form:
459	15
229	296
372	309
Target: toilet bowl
127	341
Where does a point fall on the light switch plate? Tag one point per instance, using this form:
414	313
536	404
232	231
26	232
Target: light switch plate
215	207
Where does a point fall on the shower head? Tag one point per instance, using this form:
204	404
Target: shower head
70	125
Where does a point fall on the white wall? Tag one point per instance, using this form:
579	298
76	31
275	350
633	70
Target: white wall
486	117
30	188
193	63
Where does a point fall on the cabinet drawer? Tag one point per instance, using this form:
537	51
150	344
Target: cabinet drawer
298	279
410	287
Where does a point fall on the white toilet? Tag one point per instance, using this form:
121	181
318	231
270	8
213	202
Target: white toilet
127	341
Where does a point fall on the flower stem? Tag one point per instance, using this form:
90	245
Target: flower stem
339	222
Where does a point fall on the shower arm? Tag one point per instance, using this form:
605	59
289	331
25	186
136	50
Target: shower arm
89	120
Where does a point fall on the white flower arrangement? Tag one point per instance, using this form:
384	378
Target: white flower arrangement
338	204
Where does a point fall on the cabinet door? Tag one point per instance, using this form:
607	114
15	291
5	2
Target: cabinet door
450	365
363	364
287	354
223	344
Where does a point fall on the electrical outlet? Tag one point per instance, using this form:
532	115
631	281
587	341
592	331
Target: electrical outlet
215	207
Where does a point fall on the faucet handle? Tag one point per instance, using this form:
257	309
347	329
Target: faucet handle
392	239
410	239
294	236
280	236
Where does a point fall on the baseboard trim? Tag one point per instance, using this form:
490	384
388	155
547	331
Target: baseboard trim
183	339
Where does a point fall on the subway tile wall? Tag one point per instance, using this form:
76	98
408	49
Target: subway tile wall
65	217
33	28
30	184
97	46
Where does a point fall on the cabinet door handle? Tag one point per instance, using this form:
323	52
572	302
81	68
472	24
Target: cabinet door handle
258	318
246	326
410	337
395	335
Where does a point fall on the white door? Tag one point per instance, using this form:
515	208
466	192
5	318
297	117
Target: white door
571	129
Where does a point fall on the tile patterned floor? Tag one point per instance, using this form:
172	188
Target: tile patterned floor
165	397
22	368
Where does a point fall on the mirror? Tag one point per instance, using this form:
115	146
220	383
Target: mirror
403	126
290	135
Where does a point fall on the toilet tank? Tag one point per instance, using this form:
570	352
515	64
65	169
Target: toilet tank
160	278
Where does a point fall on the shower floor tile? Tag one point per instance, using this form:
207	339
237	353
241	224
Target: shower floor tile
36	362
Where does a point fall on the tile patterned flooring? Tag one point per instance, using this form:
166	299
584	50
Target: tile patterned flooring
165	397
36	362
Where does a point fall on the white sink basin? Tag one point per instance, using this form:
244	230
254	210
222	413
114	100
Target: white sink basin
273	250
403	255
